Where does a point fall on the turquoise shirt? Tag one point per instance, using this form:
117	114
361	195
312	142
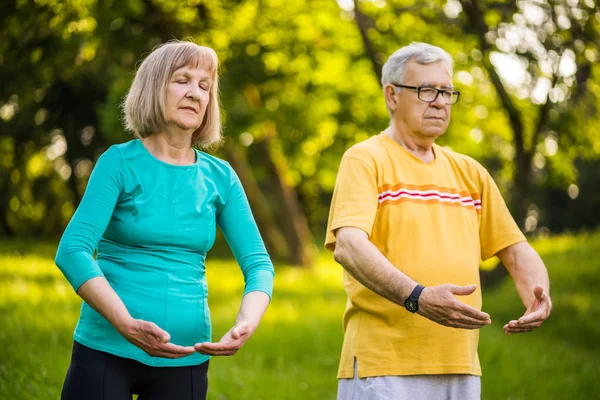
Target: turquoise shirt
152	224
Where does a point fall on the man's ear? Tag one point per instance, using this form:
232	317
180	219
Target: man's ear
389	92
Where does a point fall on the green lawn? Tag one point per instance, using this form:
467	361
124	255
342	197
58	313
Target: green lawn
295	352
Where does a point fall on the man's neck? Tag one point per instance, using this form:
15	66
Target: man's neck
422	148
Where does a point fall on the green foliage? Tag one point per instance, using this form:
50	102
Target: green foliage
294	70
524	70
295	352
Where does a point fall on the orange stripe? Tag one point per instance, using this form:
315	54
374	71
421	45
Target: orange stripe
394	188
428	201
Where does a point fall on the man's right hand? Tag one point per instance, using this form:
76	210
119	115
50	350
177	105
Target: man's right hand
355	252
152	339
439	304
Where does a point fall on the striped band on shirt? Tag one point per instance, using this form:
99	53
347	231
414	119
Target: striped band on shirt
429	194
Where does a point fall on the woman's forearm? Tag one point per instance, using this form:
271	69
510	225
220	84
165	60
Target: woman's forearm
99	295
253	307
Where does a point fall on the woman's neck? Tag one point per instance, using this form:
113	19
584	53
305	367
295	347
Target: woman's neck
172	149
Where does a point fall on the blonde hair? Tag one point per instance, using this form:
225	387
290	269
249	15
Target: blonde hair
144	106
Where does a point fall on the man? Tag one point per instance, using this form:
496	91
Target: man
409	222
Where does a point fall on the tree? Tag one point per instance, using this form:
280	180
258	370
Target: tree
554	47
299	86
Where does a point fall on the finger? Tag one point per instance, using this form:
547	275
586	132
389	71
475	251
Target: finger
532	324
514	326
465	325
220	346
464	322
472	312
157	332
203	347
175	349
538	292
521	329
538	315
511	324
518	330
474	323
462	290
467	319
217	353
239	330
235	332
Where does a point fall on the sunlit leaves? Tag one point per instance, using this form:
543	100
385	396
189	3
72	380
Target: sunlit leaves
297	69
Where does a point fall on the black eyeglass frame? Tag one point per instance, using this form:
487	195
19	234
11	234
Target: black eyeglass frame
439	91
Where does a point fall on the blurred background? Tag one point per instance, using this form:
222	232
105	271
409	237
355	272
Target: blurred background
299	85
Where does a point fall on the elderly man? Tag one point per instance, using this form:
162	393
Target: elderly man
409	222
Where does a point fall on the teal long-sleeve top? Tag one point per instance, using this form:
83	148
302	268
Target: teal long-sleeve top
152	224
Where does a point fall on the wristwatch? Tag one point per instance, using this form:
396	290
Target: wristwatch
412	303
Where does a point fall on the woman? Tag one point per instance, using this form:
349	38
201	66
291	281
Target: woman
151	209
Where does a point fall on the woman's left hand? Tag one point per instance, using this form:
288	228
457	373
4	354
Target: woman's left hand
230	343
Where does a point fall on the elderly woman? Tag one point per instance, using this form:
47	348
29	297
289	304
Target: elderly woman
150	210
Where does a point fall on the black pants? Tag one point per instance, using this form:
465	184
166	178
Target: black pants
96	375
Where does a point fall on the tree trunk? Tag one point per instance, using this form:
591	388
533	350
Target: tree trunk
70	133
362	22
519	202
274	240
5	189
293	220
521	189
8	231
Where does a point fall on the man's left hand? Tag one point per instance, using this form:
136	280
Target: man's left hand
536	314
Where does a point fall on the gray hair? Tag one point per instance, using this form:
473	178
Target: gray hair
422	53
144	106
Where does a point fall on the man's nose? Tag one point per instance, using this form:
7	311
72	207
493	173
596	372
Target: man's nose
439	101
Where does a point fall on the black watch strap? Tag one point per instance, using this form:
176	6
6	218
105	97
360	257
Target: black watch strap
412	303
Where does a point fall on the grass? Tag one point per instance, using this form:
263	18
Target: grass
295	352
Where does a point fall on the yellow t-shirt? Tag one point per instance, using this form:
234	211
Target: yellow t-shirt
434	222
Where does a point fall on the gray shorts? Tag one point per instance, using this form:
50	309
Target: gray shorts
413	387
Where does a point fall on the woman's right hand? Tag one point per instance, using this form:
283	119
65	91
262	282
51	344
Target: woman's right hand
146	335
153	340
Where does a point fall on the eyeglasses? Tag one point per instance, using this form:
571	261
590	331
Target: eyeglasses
429	94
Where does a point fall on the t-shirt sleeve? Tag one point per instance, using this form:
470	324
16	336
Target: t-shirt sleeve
75	254
239	229
355	198
497	229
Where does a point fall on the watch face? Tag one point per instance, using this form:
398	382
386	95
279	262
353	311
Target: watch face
411	305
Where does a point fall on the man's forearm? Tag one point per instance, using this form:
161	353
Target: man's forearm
371	268
367	265
527	270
